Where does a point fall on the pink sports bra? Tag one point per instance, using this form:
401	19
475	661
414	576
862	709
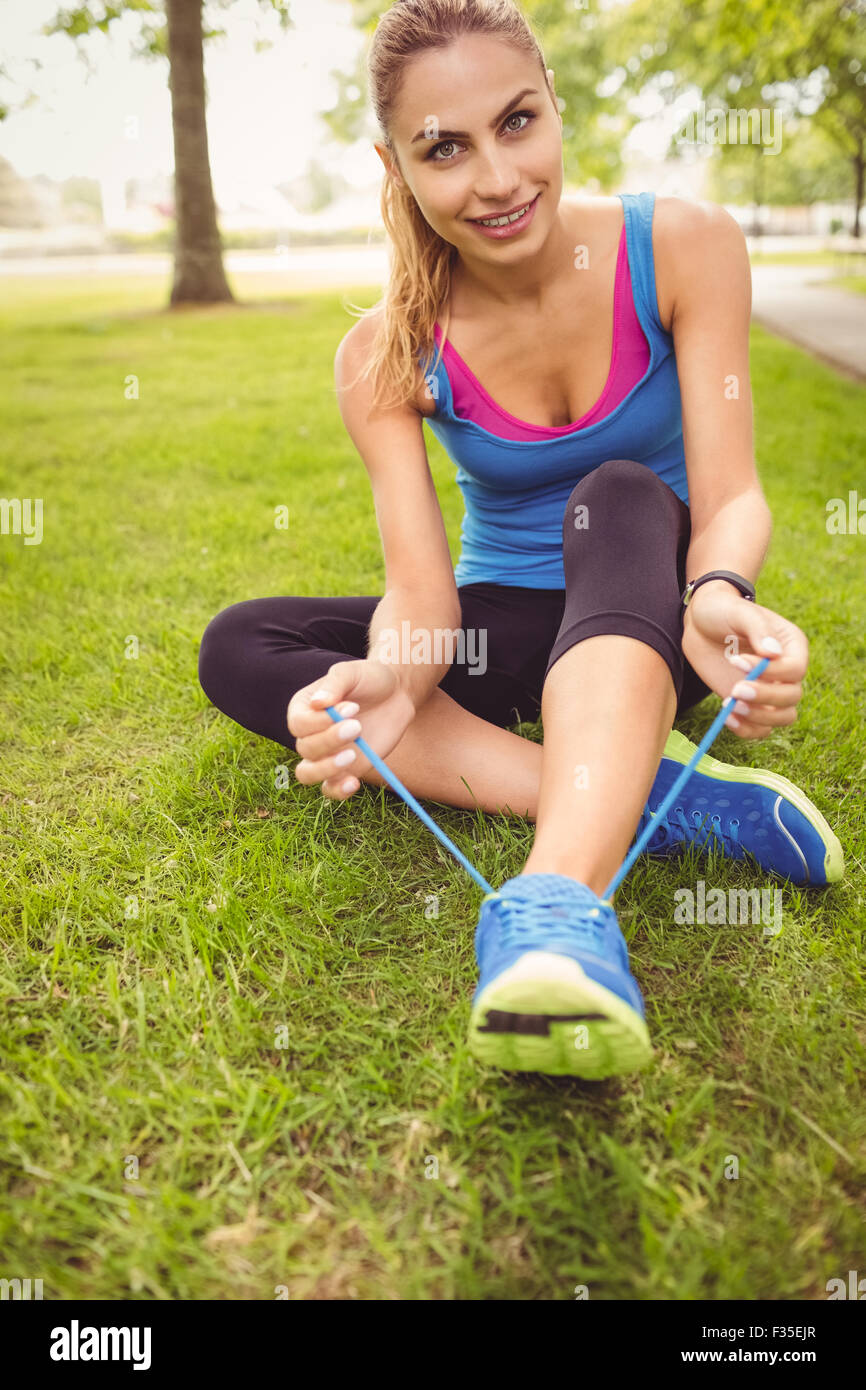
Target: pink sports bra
630	357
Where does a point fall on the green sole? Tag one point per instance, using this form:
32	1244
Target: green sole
680	750
550	990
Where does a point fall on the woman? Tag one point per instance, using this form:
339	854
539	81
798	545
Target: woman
606	460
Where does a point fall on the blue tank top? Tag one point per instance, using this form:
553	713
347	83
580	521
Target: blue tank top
515	491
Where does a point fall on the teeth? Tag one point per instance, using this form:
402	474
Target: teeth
502	221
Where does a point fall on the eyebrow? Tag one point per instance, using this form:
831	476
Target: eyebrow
464	134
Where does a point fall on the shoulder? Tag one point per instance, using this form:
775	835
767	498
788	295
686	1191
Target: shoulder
355	346
687	223
352	359
697	247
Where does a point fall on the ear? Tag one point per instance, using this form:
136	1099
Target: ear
553	91
387	161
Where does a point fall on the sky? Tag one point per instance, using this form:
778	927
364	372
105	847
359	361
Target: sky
117	120
115	123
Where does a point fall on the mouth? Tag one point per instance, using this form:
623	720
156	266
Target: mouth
506	219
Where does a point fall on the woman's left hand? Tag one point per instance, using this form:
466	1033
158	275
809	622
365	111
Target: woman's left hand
722	632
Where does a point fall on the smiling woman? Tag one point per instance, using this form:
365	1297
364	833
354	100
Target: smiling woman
605	461
455	183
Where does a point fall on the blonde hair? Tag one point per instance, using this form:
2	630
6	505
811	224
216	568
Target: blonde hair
421	261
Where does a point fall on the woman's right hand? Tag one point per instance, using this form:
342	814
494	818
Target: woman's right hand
379	709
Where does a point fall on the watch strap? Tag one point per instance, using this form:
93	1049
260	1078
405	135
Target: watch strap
746	588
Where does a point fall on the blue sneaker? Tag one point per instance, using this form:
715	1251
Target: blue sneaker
556	994
742	811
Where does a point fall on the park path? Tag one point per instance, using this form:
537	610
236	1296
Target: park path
829	322
788	300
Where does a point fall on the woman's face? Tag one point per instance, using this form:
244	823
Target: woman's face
477	135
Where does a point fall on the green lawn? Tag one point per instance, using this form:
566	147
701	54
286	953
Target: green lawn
855	283
828	257
848	275
167	910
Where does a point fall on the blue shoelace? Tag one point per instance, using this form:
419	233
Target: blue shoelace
678	828
524	922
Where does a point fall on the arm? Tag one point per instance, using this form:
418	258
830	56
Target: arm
731	522
402	615
419	576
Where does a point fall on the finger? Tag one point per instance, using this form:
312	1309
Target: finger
340	788
782	667
764	715
786	646
781	670
750	732
763	692
306	717
347	763
332	740
759	722
745	730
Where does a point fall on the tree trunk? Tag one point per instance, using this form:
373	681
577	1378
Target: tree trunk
859	172
199	276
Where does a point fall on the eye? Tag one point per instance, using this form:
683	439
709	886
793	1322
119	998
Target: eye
527	116
520	116
441	146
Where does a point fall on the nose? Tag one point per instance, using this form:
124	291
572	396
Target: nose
497	179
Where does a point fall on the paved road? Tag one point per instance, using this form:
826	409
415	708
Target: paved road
788	300
302	267
827	321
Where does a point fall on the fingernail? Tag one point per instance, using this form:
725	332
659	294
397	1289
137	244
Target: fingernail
348	785
732	721
741	661
349	729
769	644
349	709
347	756
742	708
323	695
744	690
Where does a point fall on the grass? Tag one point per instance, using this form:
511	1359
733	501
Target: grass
855	283
233	1038
828	257
846	279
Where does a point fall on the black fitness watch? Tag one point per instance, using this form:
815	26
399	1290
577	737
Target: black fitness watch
746	588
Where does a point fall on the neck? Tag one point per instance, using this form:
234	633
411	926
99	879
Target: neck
526	285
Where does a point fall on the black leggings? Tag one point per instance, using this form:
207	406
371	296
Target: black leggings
624	573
